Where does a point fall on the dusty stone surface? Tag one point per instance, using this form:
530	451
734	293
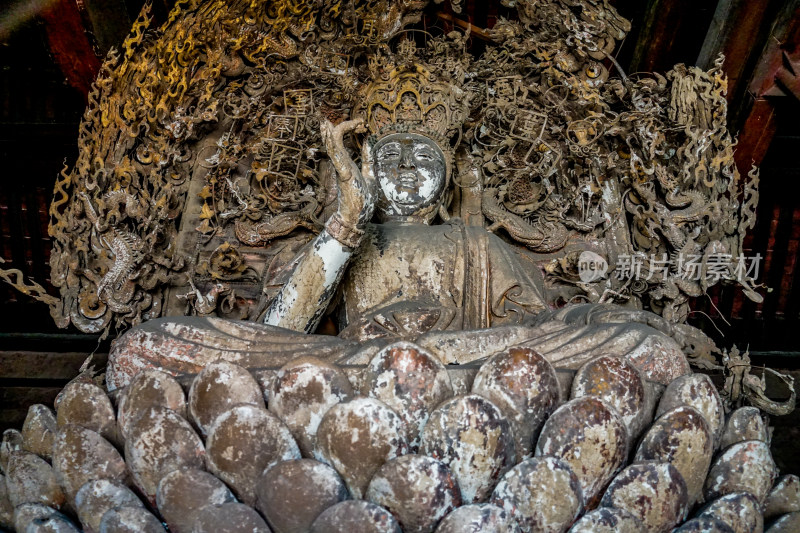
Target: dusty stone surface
542	494
12	441
87	405
524	386
745	423
739	510
31	479
655	493
784	497
703	524
150	388
619	384
471	436
696	390
6	509
231	517
292	494
478	518
591	438
25	514
417	490
682	438
356	516
161	441
744	467
301	394
660	358
608	520
95	498
357	437
411	381
55	523
788	523
219	387
39	431
242	442
182	493
81	455
130	520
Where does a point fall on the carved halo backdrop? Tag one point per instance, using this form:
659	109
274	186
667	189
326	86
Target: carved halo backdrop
201	172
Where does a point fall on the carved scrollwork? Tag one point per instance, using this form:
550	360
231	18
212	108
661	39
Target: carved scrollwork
201	146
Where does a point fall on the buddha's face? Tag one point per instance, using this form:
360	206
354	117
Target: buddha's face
411	172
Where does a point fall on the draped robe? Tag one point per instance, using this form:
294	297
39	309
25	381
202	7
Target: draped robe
459	291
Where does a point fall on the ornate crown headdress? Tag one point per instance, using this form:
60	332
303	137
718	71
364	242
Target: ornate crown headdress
411	99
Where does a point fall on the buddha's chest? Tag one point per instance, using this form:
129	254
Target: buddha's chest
406	263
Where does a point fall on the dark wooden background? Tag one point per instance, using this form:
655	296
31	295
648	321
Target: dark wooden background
49	55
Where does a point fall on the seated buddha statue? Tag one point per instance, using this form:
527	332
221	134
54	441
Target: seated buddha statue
394	266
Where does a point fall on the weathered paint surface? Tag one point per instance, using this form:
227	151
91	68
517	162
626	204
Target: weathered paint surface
652	492
303	299
39	431
183	493
696	390
356	515
542	494
12	441
704	524
161	441
591	438
471	436
150	388
745	423
744	467
219	387
302	392
788	523
6	509
97	497
608	520
55	523
31	479
682	438
81	455
784	497
87	405
739	510
367	440
524	386
129	519
410	170
411	381
479	518
292	494
230	517
27	513
620	385
357	437
417	490
244	441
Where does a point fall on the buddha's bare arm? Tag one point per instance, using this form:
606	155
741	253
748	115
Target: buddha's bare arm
303	300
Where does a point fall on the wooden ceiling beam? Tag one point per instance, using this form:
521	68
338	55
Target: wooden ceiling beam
79	34
70	45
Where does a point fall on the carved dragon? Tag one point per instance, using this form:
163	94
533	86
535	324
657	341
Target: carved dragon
260	233
116	288
545	233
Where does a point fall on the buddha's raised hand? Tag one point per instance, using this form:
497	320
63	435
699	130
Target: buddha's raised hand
356	188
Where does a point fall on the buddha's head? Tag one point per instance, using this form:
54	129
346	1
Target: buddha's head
415	118
411	171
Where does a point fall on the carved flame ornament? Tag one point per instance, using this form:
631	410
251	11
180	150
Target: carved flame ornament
202	172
